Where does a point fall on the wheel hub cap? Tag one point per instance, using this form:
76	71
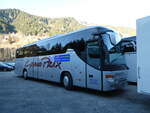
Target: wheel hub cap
66	81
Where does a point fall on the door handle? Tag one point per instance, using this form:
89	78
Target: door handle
90	76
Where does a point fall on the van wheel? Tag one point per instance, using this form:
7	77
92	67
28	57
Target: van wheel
67	81
25	74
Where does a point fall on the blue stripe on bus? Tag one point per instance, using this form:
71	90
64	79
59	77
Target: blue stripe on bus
62	58
67	55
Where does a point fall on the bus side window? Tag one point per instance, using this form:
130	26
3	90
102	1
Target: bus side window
93	54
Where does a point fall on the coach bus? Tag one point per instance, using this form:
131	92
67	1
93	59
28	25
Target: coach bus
85	58
129	48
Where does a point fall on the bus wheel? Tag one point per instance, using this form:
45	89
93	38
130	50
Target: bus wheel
25	74
67	81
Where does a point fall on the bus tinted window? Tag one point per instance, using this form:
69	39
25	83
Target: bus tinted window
93	54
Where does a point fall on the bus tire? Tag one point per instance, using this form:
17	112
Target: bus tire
67	81
25	74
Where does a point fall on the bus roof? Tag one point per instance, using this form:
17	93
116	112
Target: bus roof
102	29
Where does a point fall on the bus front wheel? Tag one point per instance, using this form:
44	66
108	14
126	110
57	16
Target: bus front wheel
25	74
67	81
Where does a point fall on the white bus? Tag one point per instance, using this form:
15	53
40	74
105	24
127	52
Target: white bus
129	48
82	58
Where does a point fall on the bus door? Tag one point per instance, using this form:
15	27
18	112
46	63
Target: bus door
93	66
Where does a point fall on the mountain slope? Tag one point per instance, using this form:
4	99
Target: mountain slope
14	20
124	31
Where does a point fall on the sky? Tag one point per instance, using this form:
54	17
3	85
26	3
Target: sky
95	12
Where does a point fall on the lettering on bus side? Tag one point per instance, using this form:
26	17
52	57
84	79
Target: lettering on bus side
45	63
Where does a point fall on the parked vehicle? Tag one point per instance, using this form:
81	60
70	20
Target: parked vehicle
83	58
129	48
143	55
5	67
11	64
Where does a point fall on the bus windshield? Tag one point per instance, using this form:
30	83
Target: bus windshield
113	58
